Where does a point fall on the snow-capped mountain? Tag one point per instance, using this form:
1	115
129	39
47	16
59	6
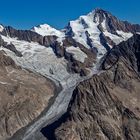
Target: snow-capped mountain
67	57
79	44
98	29
47	30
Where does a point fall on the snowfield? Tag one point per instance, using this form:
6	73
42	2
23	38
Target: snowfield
122	36
118	39
47	30
77	53
83	26
86	27
38	58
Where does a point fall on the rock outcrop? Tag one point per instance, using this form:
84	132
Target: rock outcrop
113	24
23	96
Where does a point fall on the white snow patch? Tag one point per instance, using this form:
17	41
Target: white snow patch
1	28
125	35
77	53
122	36
4	83
46	30
116	39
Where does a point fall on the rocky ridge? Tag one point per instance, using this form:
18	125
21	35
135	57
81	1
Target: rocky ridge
105	107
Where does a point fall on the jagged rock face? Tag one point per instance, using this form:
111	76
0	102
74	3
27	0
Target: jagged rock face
6	60
74	65
28	35
23	96
113	24
105	107
100	31
129	50
10	47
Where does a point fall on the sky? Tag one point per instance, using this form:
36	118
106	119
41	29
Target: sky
24	14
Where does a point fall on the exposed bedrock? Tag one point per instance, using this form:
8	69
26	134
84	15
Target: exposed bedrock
105	107
23	96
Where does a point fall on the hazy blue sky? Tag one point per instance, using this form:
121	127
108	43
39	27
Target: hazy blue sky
24	14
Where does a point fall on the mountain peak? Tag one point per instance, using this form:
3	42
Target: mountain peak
99	15
99	10
1	28
46	30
